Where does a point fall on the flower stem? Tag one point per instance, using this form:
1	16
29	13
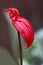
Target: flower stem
20	48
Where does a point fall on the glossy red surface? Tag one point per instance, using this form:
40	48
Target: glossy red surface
22	25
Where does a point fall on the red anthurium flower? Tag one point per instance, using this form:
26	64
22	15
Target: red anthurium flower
22	25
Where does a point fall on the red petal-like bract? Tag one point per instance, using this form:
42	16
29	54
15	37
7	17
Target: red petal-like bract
23	26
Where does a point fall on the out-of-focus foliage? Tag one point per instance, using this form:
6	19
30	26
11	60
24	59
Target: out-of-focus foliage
34	54
6	58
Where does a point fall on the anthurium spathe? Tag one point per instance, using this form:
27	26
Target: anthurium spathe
22	25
